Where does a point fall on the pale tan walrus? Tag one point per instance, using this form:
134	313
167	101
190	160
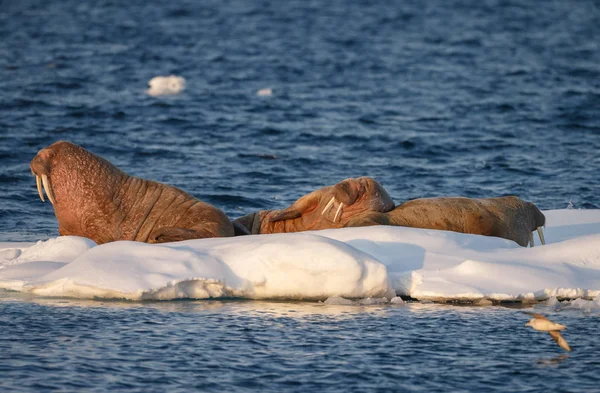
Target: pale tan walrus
506	217
95	199
327	207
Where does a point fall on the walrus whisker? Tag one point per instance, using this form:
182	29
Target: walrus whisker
328	206
531	239
338	212
541	235
48	188
38	182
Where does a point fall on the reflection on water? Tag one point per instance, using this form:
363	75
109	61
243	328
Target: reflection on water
554	361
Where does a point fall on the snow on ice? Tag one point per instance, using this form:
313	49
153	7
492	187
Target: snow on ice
337	265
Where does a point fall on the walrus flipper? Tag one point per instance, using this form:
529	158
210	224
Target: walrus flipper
177	234
287	214
247	225
239	229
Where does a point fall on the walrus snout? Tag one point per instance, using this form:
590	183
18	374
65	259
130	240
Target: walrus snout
348	191
539	219
382	202
40	168
40	165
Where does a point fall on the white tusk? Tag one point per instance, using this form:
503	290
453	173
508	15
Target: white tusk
331	201
38	182
338	212
531	239
541	234
48	188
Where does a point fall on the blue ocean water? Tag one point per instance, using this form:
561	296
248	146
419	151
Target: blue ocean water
436	98
74	345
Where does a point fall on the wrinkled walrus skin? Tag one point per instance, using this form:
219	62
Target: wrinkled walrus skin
506	217
95	199
327	207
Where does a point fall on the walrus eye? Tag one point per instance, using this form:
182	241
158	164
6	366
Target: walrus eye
345	193
354	191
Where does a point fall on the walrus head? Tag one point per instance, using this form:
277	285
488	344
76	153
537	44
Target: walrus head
338	203
81	187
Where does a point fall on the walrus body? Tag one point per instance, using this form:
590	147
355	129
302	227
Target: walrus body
506	217
327	207
95	199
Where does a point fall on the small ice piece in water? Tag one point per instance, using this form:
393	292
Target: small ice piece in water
166	85
397	300
339	301
264	92
553	301
585	305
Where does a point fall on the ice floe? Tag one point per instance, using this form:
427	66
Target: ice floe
264	92
337	266
579	303
166	85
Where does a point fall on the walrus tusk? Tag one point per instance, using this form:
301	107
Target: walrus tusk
338	212
541	234
48	188
531	239
38	182
328	206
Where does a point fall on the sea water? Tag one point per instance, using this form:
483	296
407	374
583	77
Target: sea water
76	345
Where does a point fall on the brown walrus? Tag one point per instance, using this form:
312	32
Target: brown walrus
507	217
327	207
95	199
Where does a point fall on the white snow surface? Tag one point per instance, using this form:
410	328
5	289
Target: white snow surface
368	263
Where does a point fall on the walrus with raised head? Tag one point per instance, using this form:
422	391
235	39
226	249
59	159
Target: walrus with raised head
95	199
327	207
506	217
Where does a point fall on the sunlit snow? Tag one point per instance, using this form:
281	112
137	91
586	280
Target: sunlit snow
368	263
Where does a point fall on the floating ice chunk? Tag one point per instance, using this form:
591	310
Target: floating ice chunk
289	266
166	85
582	304
397	300
352	263
264	92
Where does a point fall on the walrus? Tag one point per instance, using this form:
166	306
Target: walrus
506	217
95	199
327	207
